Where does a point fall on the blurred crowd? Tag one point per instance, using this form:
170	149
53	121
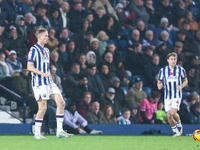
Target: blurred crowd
105	55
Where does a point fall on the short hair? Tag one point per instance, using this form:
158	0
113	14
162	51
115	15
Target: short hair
98	8
91	65
186	22
112	43
164	32
86	93
155	94
148	48
63	29
76	3
75	64
42	7
136	44
172	54
84	20
40	30
125	110
191	97
155	55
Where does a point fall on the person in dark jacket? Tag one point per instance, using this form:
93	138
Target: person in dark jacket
185	108
22	86
72	79
135	59
83	87
94	79
164	36
152	69
105	76
94	46
195	114
76	14
29	23
196	43
64	36
100	20
109	99
84	104
134	114
119	93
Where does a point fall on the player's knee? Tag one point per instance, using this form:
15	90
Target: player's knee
61	103
43	109
169	115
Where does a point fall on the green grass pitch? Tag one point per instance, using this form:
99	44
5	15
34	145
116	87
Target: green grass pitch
104	142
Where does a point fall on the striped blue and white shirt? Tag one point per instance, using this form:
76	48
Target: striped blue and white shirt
40	57
171	79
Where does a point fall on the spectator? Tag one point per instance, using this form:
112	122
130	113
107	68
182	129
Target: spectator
109	99
119	93
41	18
124	118
161	51
185	108
178	12
134	114
95	116
151	11
85	45
13	9
84	104
107	8
148	108
90	18
189	32
76	14
94	80
196	43
102	37
26	7
63	14
79	35
3	39
116	56
141	28
135	95
152	69
56	78
129	17
87	5
29	23
91	57
193	80
57	3
22	86
135	59
113	29
14	65
105	76
164	36
16	42
71	116
72	53
21	27
182	38
72	79
52	42
193	23
94	43
140	11
55	20
148	40
178	49
161	115
83	87
163	27
164	9
120	11
135	37
82	61
4	71
148	53
54	60
194	114
64	36
108	114
62	54
100	20
43	3
122	75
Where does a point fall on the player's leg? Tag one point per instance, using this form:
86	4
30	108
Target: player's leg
171	121
42	106
60	115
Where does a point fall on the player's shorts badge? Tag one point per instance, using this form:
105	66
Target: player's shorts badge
44	95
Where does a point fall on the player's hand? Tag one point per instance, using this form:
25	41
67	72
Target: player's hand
46	75
160	86
179	87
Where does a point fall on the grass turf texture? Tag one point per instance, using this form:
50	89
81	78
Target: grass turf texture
23	142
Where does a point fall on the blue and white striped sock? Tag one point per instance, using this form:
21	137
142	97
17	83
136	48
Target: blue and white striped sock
174	129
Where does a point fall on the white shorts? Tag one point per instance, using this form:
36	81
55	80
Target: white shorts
44	91
172	103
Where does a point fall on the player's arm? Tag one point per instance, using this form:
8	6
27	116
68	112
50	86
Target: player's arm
185	82
31	68
159	85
